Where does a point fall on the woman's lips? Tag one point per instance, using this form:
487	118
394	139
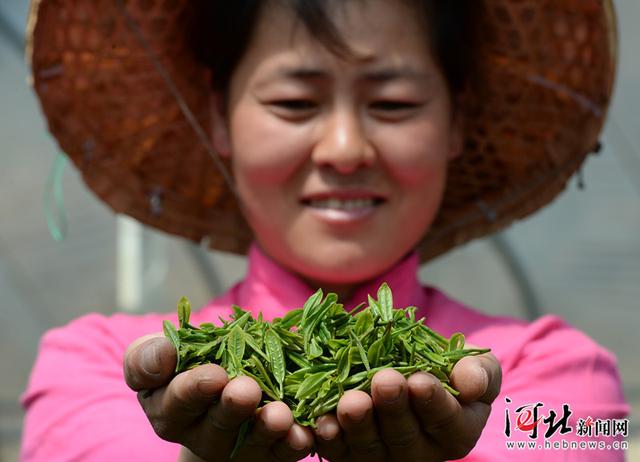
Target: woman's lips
341	210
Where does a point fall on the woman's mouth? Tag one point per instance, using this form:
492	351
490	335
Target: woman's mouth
343	204
340	210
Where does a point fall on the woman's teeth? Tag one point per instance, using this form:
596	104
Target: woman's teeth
340	204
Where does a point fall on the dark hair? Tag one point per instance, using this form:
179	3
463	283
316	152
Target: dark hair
224	29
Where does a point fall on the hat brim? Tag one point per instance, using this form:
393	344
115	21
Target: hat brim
546	70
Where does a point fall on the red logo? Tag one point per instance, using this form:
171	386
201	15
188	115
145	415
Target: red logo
529	417
526	420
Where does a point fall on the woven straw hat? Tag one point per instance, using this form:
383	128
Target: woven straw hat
548	69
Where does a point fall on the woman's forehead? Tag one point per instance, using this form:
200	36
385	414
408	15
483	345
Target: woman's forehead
371	30
348	19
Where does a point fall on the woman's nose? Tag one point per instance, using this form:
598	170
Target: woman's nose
343	143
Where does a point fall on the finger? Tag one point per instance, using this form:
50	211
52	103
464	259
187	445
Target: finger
477	378
328	438
215	436
182	403
435	408
295	445
453	427
398	426
272	422
356	417
149	362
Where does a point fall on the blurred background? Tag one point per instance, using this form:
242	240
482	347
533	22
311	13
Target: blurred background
579	258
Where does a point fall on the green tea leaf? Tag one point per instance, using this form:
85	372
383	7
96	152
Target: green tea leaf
310	305
344	364
312	384
241	320
251	342
298	359
385	302
326	405
443	342
244	431
236	344
184	311
364	322
221	351
261	377
291	319
386	338
363	354
450	389
375	350
434	357
171	333
315	350
314	318
456	342
374	307
411	313
206	349
276	356
357	308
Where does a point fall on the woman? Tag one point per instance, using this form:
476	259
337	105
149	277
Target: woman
340	121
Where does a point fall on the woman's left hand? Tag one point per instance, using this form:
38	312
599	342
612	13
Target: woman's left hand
412	419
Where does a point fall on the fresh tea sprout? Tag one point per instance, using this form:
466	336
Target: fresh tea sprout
313	354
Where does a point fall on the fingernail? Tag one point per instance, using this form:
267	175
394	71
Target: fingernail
149	359
356	418
328	431
296	439
389	393
208	387
485	379
298	445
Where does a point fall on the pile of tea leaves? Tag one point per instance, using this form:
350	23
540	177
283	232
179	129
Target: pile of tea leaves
312	355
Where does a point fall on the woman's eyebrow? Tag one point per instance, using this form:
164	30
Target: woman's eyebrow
395	73
292	73
303	73
379	75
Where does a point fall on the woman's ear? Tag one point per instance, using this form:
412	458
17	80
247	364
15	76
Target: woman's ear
219	126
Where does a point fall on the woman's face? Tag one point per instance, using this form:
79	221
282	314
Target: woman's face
340	161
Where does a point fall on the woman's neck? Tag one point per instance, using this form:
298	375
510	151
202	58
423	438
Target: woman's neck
343	291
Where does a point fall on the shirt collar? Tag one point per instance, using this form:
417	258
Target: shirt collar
272	289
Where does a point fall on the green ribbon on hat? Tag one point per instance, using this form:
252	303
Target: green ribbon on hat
54	199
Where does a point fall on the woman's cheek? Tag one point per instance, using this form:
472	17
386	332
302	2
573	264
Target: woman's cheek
419	170
271	154
415	157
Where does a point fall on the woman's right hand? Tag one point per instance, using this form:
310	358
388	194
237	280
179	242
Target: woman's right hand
203	411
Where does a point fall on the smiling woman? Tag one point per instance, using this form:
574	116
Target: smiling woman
360	146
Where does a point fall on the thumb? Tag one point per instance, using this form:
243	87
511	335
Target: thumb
477	378
149	362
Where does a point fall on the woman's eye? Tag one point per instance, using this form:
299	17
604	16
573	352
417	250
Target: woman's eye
393	105
295	104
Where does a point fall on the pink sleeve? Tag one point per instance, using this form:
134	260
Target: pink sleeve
550	363
77	404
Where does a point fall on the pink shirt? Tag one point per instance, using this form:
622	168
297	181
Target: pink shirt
78	407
